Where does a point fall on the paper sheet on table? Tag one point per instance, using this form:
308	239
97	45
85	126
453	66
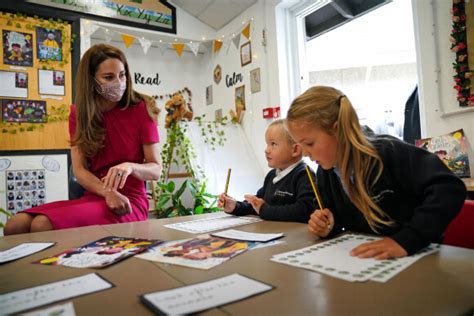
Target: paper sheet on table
205	225
248	236
56	310
23	250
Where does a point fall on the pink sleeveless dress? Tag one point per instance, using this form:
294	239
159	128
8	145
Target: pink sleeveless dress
126	132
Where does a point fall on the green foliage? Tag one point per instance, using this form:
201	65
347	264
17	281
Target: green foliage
8	214
170	204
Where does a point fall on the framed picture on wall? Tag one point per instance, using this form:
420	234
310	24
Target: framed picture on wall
240	99
218	115
255	80
17	48
217	74
30	178
23	111
51	82
49	44
13	84
245	54
209	95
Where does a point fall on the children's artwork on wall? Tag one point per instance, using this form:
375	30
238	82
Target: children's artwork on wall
208	95
217	74
218	115
49	44
245	54
240	98
255	81
13	84
17	48
23	111
32	178
51	82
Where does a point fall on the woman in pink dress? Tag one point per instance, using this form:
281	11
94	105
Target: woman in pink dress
114	141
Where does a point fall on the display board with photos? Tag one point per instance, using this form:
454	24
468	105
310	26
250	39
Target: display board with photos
36	76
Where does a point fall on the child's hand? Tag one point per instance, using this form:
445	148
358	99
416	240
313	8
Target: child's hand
381	249
226	202
255	202
321	222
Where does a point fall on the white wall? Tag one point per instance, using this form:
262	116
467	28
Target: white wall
439	108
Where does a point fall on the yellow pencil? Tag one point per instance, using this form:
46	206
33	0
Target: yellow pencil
321	207
227	184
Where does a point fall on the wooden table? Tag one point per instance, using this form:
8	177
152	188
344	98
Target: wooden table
439	284
469	182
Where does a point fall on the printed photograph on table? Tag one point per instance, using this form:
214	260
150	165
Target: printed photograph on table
255	81
49	44
240	98
17	48
13	84
23	111
208	95
51	82
245	54
100	253
203	252
31	178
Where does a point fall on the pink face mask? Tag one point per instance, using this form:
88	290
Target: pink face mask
113	91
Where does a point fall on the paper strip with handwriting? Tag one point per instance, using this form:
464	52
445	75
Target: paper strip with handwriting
205	225
23	250
17	301
100	253
241	235
332	258
202	252
56	310
202	296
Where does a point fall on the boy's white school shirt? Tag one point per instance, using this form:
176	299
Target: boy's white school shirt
280	174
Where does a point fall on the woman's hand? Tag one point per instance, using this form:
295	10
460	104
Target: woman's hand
226	202
255	202
321	222
118	203
117	176
381	249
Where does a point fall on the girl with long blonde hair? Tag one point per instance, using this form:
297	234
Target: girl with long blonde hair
372	184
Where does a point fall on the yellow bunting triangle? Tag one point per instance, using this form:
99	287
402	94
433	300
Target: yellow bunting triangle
246	31
127	40
217	46
179	48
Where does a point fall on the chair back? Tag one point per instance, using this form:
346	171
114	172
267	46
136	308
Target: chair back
460	231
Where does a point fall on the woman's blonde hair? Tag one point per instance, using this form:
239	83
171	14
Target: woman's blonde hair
323	107
90	132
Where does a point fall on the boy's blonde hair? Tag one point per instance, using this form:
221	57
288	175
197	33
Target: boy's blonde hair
281	123
323	107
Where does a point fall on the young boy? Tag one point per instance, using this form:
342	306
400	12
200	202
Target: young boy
286	194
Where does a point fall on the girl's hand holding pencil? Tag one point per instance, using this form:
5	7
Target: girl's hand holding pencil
321	222
227	203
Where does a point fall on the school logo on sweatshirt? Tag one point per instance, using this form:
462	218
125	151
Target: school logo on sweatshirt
283	194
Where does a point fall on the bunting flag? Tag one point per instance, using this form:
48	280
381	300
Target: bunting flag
145	44
179	48
217	45
127	40
207	46
236	41
194	47
108	36
246	31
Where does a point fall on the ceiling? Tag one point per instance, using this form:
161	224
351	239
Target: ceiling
214	13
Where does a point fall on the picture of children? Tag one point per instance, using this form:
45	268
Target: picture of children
23	111
58	78
21	80
17	49
22	192
49	44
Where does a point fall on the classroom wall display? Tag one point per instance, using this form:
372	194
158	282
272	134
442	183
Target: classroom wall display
51	82
49	44
209	95
255	85
157	15
13	84
17	48
23	111
245	54
31	178
240	98
43	44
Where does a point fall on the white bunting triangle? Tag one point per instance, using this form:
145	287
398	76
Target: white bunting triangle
108	36
194	47
144	43
236	41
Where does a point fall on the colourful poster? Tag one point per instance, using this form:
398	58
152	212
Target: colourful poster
49	44
17	48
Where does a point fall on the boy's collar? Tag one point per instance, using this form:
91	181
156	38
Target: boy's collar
280	174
